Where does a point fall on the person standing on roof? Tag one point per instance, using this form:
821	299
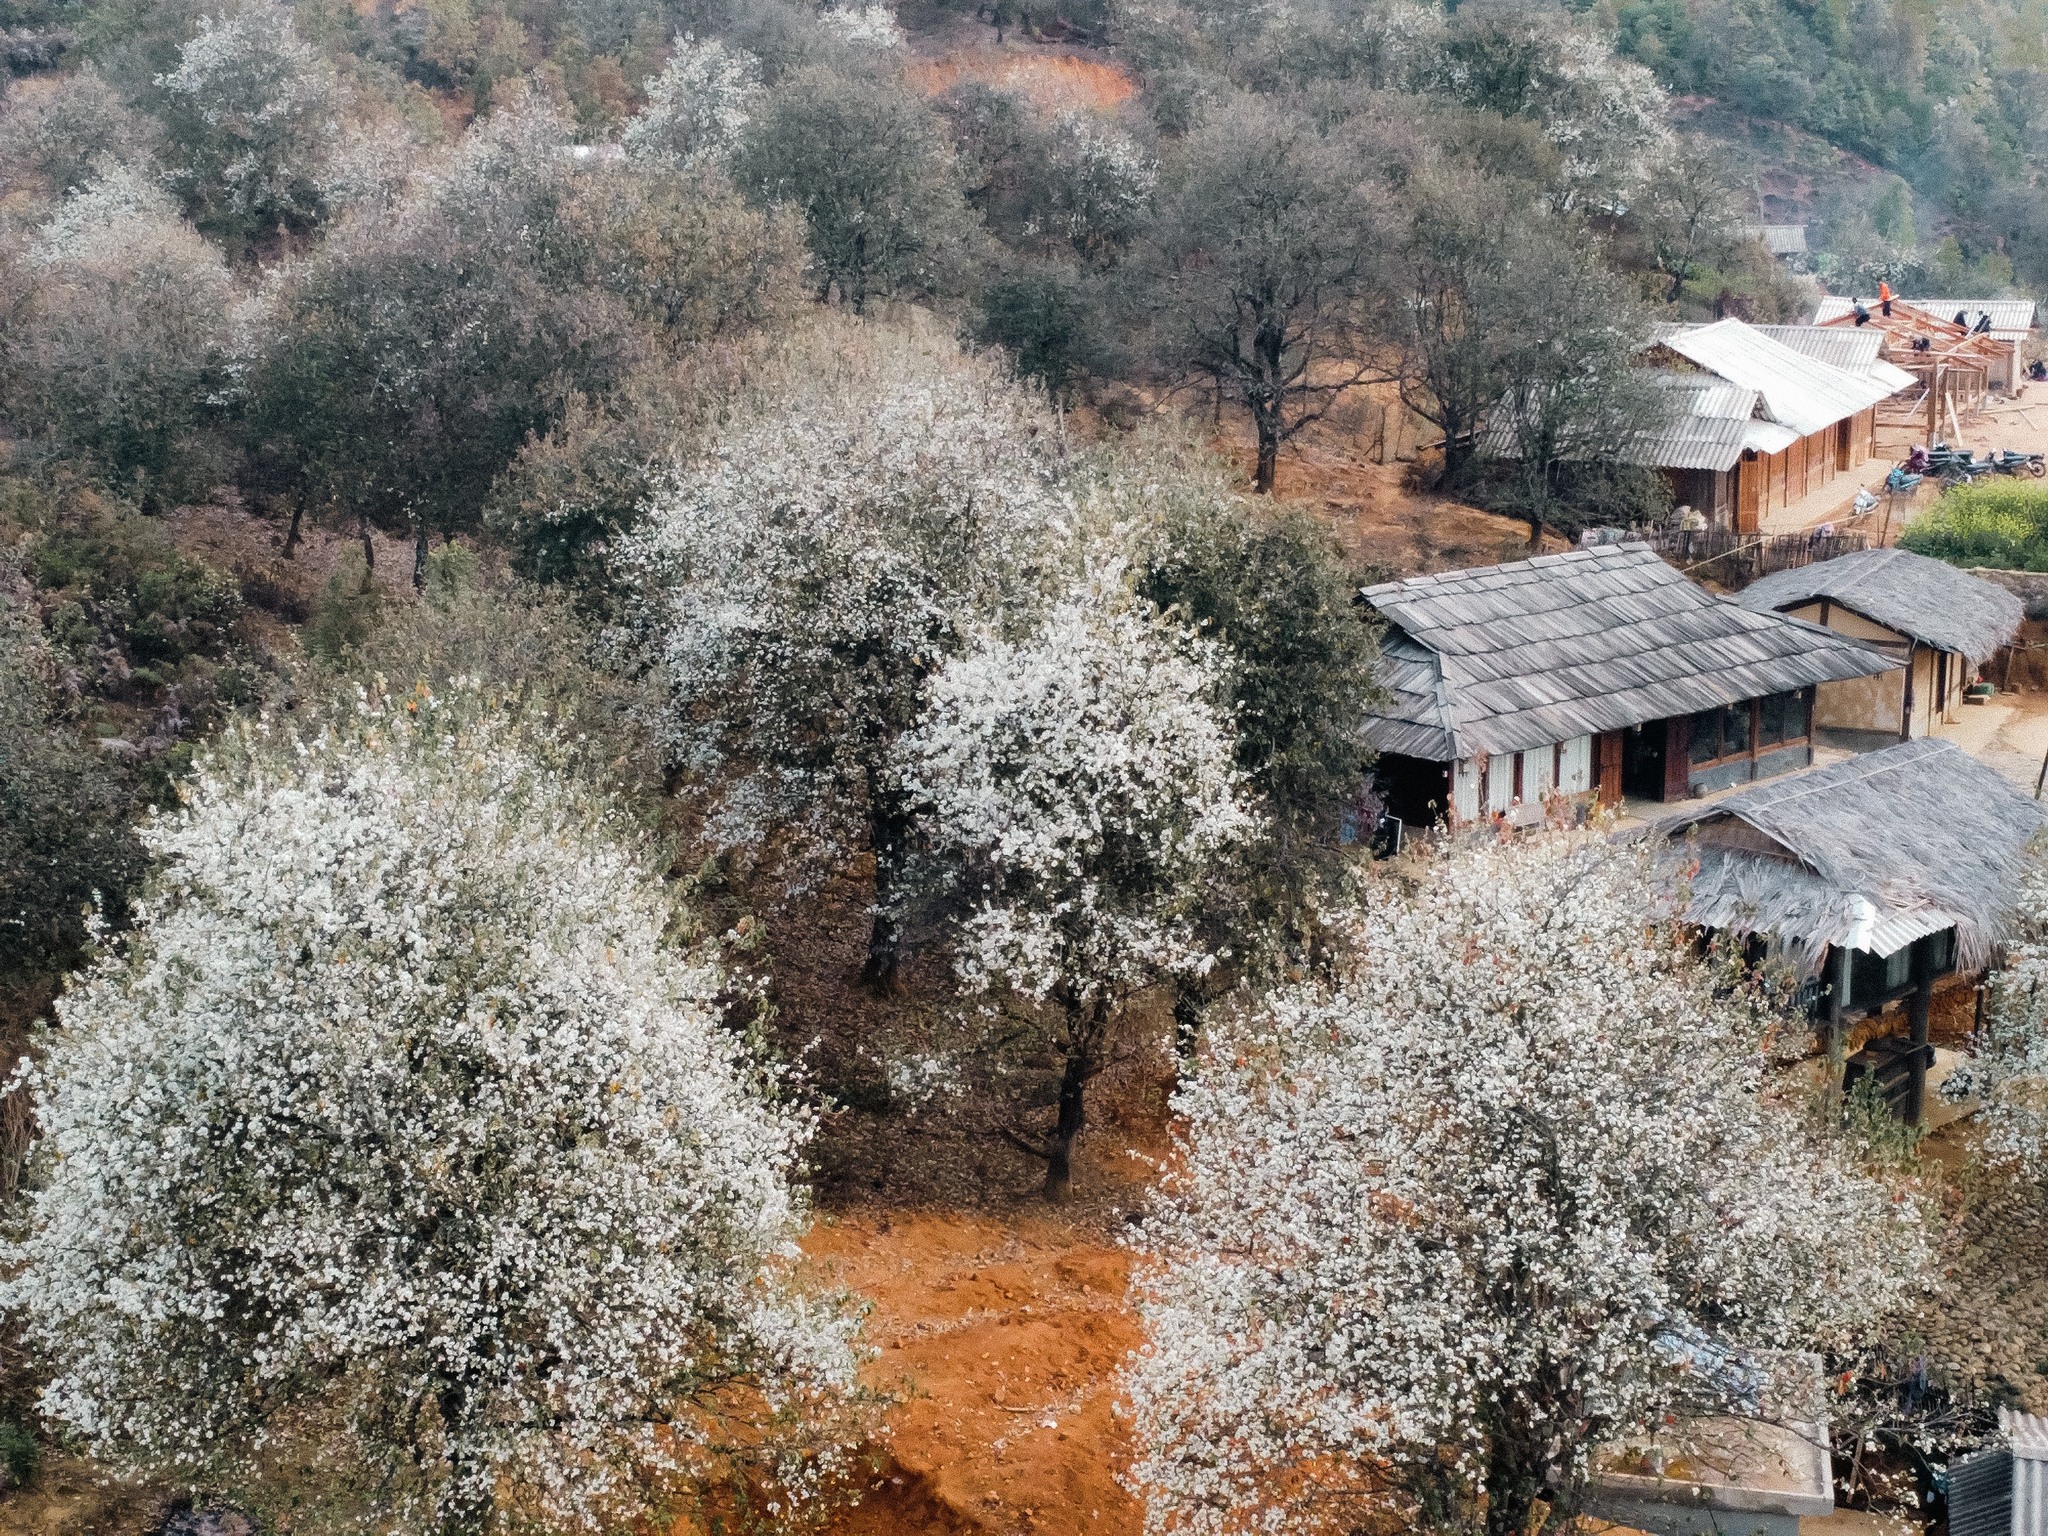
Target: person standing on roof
1884	299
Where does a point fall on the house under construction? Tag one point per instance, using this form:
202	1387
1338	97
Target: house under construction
1954	366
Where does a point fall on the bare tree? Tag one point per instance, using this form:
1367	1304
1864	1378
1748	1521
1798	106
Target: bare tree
1450	267
1266	266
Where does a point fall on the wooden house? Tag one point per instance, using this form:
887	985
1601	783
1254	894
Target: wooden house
1803	420
1872	878
1600	670
2005	323
1942	623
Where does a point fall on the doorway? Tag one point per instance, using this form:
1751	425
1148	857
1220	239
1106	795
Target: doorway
1642	760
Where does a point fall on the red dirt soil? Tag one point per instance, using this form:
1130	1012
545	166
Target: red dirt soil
1050	79
1001	1341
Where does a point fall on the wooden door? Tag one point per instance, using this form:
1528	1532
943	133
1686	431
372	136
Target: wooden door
1749	479
1677	756
1844	431
1608	770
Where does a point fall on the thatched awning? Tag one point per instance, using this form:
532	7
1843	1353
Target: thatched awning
1870	853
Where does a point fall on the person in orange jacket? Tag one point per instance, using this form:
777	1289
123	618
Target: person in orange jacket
1884	299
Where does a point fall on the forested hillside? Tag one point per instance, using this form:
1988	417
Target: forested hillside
1941	105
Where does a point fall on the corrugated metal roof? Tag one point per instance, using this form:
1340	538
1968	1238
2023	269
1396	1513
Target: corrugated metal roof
1779	239
1694	442
2011	319
1507	657
1768	437
1799	391
1703	394
2026	1432
1929	600
1883	848
1851	351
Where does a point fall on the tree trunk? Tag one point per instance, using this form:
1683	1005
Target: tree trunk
889	834
1514	1481
291	534
420	551
1059	1166
369	550
1269	457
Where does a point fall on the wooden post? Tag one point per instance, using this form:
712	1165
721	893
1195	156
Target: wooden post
1906	711
1918	1011
1607	770
1838	1038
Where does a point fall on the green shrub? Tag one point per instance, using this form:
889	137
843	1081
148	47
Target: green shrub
19	1455
2002	525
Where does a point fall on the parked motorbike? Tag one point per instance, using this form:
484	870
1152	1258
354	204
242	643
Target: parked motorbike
1899	483
2006	463
1954	466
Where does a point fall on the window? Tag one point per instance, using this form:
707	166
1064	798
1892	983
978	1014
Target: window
1783	717
1719	733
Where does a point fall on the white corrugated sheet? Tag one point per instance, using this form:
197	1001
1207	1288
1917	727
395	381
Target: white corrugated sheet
2011	319
1768	437
2028	1435
1799	392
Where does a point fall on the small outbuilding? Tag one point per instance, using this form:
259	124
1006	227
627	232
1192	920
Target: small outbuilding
1599	670
1872	878
1941	623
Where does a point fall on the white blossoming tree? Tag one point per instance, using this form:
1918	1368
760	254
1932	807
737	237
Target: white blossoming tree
1495	1193
250	112
1100	185
398	1143
2009	1069
697	107
818	565
123	348
1083	782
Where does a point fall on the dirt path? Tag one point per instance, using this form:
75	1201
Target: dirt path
1001	1342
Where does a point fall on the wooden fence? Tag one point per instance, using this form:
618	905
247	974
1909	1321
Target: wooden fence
1734	560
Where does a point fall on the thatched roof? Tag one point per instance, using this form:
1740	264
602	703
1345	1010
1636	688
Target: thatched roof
1869	853
1928	600
1502	658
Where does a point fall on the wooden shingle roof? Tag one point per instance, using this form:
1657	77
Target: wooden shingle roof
1506	657
1928	600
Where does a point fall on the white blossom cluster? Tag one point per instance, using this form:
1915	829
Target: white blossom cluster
118	208
263	102
398	1137
2008	1070
1104	183
827	555
697	107
1482	1201
1084	778
864	26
